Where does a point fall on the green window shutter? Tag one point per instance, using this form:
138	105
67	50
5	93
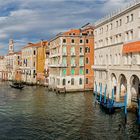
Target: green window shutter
81	71
64	49
64	72
72	71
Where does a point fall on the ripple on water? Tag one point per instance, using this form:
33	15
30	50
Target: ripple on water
36	114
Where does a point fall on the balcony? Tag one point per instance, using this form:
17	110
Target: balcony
63	65
54	55
64	53
73	65
99	67
57	65
81	54
81	65
72	53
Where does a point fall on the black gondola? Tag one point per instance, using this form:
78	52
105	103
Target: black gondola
17	85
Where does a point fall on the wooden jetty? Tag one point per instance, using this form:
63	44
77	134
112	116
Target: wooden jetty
109	104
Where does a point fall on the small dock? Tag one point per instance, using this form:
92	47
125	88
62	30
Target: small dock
109	104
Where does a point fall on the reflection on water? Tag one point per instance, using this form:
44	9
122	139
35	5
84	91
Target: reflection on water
36	114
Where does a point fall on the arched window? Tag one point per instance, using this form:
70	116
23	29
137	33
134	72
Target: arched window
80	81
64	82
72	81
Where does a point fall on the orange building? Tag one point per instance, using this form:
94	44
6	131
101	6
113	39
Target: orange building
40	62
71	58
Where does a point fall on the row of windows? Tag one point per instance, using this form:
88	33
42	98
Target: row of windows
73	41
117	59
81	71
73	81
129	35
72	50
116	24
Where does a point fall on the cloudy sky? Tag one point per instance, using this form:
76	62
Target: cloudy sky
32	20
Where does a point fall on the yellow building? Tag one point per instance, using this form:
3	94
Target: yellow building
40	62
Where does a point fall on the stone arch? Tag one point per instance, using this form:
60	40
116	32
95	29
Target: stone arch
114	83
123	84
135	87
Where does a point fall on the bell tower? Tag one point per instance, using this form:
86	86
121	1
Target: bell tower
11	46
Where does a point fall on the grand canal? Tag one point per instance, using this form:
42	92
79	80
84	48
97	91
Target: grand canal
38	114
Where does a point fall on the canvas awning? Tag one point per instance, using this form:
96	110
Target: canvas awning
131	47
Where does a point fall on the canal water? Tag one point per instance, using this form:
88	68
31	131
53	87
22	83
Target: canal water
38	114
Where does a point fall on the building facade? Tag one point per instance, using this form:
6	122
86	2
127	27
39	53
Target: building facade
117	53
29	63
40	62
70	60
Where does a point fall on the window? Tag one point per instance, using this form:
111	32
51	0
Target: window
64	72
80	81
131	35
72	71
106	27
81	61
87	50
131	17
72	41
127	19
86	80
81	41
111	26
87	60
120	22
72	50
64	40
87	71
72	81
116	23
64	82
34	52
64	49
87	41
81	49
81	71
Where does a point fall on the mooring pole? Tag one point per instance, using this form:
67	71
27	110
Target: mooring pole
125	107
95	92
100	92
112	96
139	111
105	94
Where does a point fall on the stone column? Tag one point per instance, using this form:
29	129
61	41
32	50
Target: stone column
129	94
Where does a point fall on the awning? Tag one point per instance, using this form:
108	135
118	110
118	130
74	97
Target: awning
131	47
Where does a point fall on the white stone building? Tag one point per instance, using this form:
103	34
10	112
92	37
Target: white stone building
117	53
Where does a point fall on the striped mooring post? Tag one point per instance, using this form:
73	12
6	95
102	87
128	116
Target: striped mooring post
125	107
105	94
95	92
100	92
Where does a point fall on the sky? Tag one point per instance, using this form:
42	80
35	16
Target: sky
33	20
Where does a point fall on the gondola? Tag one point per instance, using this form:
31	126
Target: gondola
17	85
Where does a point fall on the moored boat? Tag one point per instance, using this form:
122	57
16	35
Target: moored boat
17	85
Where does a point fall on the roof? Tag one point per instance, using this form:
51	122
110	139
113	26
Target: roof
38	44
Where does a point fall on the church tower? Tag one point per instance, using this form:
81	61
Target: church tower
11	46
